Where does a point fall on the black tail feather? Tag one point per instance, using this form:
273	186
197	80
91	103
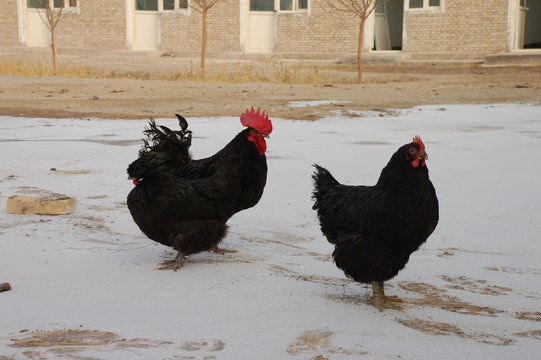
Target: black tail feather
165	139
164	149
182	122
321	178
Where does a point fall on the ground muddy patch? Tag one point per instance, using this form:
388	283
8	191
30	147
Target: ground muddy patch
445	329
207	257
529	315
514	270
55	171
318	279
476	286
73	343
534	334
318	344
434	296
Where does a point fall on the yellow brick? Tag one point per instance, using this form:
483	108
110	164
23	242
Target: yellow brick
50	205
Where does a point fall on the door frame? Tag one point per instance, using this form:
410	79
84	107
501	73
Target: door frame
520	25
513	23
382	39
395	28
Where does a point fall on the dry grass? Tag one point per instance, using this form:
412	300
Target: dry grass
237	73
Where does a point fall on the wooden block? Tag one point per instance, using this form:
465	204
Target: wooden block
48	205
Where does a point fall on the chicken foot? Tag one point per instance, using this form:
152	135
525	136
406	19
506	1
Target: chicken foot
382	301
174	265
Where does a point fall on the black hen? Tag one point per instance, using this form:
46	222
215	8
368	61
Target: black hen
376	228
185	203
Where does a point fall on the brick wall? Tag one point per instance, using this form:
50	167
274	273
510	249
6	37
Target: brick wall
181	31
464	26
99	25
319	31
8	23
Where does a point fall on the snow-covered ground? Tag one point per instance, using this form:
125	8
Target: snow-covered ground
84	284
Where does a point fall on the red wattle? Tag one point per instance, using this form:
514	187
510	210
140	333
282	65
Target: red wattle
259	142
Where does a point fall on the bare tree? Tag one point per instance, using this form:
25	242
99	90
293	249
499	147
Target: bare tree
360	9
203	6
51	16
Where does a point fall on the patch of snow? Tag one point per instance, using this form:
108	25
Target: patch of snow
84	284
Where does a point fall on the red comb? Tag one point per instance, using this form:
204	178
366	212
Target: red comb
257	120
417	139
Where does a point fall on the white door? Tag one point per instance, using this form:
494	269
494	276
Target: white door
37	33
260	34
146	25
381	31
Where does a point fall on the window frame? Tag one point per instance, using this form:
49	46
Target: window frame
67	8
294	8
176	8
277	7
425	8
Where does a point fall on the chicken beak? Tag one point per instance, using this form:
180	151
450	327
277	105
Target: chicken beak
423	155
265	135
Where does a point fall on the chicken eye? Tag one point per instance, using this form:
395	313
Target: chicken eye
413	151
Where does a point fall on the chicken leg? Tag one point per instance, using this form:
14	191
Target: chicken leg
382	301
174	265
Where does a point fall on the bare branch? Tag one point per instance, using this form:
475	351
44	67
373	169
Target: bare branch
212	3
203	6
360	9
51	17
199	5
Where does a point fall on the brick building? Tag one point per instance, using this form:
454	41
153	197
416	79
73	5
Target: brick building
457	28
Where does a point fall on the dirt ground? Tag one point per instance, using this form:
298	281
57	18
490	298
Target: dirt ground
384	87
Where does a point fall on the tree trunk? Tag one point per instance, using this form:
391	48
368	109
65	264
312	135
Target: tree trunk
204	40
360	51
53	49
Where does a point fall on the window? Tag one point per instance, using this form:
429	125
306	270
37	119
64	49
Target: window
146	5
64	3
35	4
56	4
281	5
293	5
261	5
286	5
161	5
168	4
423	4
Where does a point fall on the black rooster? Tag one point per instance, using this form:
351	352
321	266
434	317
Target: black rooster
376	228
185	203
